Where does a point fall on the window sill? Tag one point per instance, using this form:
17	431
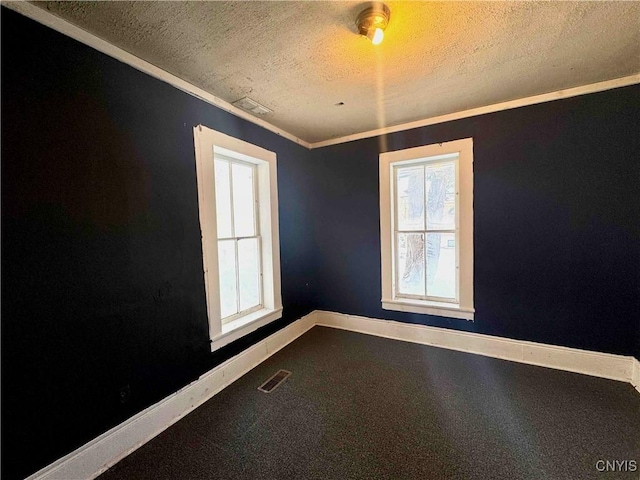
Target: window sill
439	309
242	326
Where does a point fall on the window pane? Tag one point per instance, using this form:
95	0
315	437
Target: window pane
223	198
410	197
441	265
243	201
249	271
227	271
411	263
441	196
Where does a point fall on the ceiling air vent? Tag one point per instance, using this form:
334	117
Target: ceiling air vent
252	106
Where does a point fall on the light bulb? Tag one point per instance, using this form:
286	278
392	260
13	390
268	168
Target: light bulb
378	35
372	21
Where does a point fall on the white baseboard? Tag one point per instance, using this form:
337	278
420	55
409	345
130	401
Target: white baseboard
615	367
635	379
92	459
95	457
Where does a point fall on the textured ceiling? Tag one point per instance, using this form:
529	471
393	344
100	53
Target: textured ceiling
300	59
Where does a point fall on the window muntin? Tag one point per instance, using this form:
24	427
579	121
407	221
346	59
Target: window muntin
240	234
410	227
239	242
426	229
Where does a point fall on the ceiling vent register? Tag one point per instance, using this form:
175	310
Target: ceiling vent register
252	106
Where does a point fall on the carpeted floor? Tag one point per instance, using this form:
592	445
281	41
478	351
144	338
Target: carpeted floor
362	407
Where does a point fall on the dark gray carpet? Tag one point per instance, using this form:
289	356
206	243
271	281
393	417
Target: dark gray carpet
358	406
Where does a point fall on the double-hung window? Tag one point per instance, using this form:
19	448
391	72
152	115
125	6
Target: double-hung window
238	206
426	206
238	238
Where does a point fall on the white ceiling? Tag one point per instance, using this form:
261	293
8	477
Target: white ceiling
302	58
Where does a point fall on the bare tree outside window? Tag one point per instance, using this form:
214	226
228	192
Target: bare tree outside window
426	216
426	229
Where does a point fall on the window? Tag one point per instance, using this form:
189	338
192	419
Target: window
426	225
238	205
238	238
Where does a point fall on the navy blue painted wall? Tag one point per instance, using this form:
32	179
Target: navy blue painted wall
102	282
556	222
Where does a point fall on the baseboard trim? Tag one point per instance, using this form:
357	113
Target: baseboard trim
635	378
93	458
605	365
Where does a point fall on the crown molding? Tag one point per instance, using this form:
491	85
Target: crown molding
496	107
56	23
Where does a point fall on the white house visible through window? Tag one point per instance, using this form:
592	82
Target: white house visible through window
426	202
238	205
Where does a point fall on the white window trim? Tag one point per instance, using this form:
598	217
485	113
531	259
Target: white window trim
464	309
206	142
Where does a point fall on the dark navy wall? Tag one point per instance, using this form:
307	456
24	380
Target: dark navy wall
556	222
102	282
637	352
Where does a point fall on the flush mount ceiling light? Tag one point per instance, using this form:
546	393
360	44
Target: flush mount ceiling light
372	21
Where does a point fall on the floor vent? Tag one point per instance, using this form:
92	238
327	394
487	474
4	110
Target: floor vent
273	383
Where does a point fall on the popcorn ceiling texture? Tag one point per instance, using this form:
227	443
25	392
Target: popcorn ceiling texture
302	58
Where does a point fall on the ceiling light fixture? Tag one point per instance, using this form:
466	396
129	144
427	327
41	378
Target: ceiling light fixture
372	21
